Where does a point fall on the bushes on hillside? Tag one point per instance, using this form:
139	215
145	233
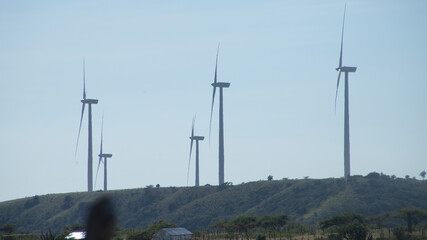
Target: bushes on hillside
67	203
349	226
7	228
32	202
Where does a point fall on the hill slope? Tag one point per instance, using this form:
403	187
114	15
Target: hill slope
305	201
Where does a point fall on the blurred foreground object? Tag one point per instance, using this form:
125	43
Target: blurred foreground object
101	221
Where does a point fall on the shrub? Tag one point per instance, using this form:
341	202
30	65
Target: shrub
67	203
260	237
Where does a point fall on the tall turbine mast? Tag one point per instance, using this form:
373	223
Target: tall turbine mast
219	85
197	139
346	70
90	155
103	157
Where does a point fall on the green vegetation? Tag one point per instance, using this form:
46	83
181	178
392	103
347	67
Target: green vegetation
304	201
7	228
423	174
348	226
412	217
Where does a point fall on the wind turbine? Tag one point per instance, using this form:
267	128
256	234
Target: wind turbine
103	155
346	70
197	139
219	85
89	158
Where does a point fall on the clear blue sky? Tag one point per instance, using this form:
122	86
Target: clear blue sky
151	63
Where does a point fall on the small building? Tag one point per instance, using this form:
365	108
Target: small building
173	234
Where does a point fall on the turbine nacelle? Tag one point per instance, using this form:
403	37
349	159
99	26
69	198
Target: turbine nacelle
89	101
221	84
346	69
107	155
197	138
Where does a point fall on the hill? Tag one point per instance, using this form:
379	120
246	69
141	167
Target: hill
306	201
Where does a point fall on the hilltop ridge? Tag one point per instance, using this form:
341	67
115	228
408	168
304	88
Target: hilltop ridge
306	201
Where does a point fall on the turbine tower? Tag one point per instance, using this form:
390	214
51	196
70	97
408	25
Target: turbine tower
197	139
219	85
103	158
346	70
89	158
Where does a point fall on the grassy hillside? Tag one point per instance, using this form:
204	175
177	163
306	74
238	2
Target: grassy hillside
306	201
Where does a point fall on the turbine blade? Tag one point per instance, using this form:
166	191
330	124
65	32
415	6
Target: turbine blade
96	177
102	133
216	64
189	160
80	127
192	126
342	37
191	146
84	81
336	92
214	90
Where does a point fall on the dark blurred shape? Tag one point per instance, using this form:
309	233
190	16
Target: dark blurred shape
101	220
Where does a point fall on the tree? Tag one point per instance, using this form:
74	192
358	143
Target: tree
350	226
354	231
341	219
423	174
273	223
218	227
267	223
224	186
412	217
243	224
374	175
270	177
280	221
379	220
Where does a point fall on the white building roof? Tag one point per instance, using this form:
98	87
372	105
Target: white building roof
76	235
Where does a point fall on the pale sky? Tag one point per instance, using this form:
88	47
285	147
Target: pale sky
151	63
